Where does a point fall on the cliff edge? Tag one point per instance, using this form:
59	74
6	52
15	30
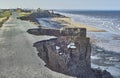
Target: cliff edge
69	53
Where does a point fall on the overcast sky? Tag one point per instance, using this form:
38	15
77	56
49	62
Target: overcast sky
63	4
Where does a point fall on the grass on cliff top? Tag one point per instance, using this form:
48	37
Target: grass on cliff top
22	14
5	14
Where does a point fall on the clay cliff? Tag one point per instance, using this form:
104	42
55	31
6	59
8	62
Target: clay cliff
69	53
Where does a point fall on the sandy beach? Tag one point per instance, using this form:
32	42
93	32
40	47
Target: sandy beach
67	22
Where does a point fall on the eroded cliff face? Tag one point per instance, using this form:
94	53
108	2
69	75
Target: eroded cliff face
69	54
40	14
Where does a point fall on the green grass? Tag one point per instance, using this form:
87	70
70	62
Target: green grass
5	14
22	14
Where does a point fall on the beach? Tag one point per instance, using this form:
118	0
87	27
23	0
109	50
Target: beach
67	22
105	44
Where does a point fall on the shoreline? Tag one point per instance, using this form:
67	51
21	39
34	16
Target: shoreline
59	19
99	37
67	22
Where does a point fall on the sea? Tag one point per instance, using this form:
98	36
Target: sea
108	20
107	53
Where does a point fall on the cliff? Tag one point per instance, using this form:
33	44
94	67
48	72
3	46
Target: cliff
69	53
40	14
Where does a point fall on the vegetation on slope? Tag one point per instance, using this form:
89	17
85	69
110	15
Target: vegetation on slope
23	13
4	16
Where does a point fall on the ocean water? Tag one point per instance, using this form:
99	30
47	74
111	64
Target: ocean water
107	54
108	20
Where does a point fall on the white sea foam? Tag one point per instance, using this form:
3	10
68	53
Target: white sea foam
119	28
113	70
109	24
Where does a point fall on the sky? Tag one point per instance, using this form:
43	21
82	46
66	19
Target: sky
62	4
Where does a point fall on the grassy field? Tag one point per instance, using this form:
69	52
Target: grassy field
5	14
